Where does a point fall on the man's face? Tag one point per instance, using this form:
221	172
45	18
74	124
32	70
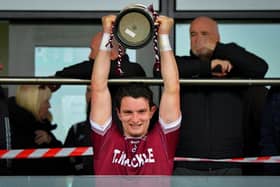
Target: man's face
135	115
204	36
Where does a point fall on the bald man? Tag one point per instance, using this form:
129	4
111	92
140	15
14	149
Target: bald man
213	116
204	35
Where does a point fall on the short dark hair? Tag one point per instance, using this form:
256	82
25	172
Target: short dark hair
135	90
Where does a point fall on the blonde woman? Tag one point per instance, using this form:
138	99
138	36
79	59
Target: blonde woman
31	127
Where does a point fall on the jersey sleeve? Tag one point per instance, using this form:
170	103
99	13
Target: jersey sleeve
170	127
171	133
98	135
101	129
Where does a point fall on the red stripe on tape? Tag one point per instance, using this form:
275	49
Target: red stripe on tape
263	158
2	152
25	153
51	152
237	159
79	151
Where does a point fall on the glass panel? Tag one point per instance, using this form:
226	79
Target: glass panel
258	38
68	105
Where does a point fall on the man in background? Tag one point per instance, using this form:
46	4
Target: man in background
213	116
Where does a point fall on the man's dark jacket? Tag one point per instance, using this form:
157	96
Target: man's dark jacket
212	123
270	130
83	70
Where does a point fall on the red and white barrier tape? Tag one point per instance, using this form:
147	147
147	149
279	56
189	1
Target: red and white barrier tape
45	153
87	151
261	159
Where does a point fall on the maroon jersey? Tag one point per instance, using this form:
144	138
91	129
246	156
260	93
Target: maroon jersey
153	154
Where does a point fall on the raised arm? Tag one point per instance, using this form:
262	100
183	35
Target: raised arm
169	109
101	104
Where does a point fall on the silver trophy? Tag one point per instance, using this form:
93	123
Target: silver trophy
134	26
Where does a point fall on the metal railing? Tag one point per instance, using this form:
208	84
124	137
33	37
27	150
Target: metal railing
153	81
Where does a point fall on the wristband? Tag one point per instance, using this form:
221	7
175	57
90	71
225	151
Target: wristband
104	44
164	44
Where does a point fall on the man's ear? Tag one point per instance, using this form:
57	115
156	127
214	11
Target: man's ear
153	109
118	112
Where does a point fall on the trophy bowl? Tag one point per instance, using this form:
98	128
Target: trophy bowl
134	26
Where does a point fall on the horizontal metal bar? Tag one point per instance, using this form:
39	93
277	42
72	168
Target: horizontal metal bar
226	82
270	81
42	80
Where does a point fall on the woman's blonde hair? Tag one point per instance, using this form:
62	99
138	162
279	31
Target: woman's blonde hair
30	97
